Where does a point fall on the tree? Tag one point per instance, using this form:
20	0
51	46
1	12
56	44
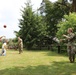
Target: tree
32	29
69	21
72	8
53	14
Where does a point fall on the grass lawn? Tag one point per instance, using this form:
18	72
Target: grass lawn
36	63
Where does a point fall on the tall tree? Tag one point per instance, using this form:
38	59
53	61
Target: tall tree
31	27
72	7
53	14
69	22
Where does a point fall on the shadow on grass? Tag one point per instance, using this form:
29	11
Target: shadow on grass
50	52
46	52
54	53
55	68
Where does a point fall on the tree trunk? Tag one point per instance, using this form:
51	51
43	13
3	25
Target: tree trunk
73	8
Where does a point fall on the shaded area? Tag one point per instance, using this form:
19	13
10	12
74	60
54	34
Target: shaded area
55	68
54	53
50	53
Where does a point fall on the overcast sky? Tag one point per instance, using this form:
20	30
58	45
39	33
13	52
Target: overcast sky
10	13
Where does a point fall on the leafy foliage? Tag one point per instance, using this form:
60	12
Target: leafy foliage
54	12
35	26
69	22
32	28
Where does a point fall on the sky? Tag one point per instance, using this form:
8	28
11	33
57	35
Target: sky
10	13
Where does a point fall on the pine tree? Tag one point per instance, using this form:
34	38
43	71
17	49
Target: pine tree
32	29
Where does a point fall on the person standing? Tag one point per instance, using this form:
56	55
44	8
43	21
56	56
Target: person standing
4	48
20	45
70	45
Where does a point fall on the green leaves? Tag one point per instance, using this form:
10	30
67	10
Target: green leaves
70	22
32	28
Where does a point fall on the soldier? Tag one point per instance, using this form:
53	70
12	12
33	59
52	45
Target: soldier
71	44
20	45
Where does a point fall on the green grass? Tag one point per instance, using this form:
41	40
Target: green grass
36	63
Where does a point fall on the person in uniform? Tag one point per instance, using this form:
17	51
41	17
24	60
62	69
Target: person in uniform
70	45
20	45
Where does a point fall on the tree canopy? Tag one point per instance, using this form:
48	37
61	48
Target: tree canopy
32	28
68	22
48	20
